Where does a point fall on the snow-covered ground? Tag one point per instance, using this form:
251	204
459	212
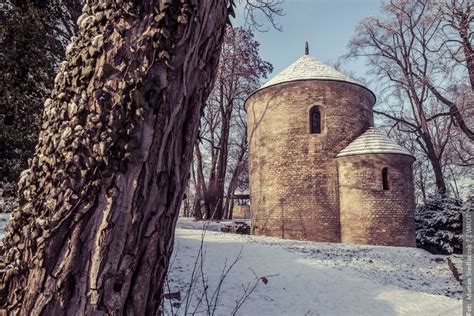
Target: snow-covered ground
308	278
190	223
303	278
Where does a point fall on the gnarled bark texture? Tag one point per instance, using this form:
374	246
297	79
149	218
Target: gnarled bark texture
98	205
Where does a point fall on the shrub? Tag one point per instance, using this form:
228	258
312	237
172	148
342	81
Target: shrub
439	224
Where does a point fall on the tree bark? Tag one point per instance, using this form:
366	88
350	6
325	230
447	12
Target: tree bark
435	164
465	20
200	186
422	185
221	167
94	230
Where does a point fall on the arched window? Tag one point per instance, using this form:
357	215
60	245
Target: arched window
315	120
385	179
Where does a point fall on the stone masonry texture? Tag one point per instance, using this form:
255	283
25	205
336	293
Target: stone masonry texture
369	214
295	187
293	174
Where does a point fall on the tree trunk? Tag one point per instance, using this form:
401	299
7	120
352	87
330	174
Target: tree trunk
229	202
464	18
218	182
425	134
464	33
422	185
221	169
230	213
98	206
435	163
200	185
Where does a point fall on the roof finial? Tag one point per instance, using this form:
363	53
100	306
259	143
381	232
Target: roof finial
306	48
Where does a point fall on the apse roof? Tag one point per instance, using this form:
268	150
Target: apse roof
373	141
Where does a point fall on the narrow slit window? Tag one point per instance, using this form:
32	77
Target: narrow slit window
385	179
315	120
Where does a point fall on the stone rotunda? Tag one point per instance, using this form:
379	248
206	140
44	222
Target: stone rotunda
318	168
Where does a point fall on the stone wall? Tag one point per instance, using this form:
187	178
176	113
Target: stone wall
241	211
369	214
293	174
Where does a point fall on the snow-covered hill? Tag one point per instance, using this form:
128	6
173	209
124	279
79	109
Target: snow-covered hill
308	278
303	278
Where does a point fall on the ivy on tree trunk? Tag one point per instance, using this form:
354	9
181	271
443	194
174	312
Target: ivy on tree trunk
98	205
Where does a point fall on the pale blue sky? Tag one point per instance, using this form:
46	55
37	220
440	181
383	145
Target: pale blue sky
327	25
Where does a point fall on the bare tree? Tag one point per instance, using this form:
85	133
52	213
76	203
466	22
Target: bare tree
94	229
406	50
223	124
238	164
453	47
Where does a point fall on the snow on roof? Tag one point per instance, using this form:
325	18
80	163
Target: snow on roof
373	142
308	68
239	191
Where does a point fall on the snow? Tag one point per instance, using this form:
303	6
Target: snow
190	223
304	278
439	224
309	278
307	68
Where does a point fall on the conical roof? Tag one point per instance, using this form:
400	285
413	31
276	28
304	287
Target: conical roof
373	142
308	68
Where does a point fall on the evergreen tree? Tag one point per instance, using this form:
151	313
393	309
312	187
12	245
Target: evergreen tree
439	225
33	37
